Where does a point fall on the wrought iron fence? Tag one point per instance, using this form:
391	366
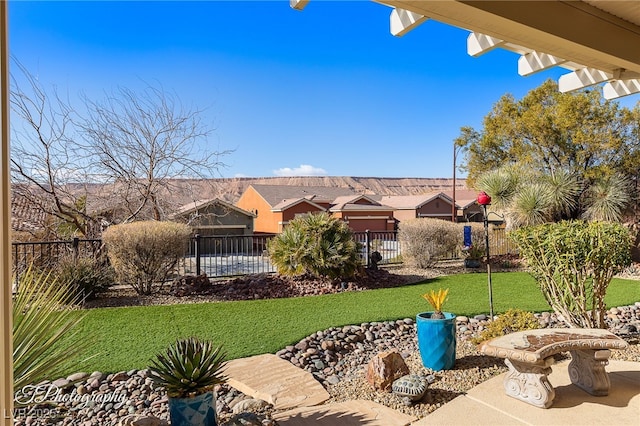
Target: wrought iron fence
384	242
221	256
500	243
46	254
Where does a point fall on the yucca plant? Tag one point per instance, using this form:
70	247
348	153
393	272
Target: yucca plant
44	326
436	299
189	367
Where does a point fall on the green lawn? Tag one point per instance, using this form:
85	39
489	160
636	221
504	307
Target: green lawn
126	338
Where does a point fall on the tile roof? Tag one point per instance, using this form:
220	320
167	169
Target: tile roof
353	199
402	202
276	194
290	202
464	197
25	214
198	204
360	207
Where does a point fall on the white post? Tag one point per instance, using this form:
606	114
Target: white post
6	312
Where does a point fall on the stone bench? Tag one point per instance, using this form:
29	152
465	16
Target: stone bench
529	356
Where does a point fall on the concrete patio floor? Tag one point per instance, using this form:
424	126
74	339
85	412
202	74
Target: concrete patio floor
303	401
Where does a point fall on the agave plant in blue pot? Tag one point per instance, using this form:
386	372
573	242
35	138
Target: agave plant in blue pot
437	333
189	370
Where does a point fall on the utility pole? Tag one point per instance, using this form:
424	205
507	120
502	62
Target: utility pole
453	205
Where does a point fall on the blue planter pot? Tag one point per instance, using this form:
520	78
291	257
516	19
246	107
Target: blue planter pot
197	411
437	340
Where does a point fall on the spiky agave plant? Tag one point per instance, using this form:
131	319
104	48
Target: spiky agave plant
436	299
189	367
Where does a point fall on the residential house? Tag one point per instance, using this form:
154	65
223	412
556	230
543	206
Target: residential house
215	217
434	205
363	213
275	205
467	203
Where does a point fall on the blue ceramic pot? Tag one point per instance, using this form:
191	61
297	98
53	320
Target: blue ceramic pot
437	340
197	411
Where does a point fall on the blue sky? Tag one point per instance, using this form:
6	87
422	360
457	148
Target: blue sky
327	90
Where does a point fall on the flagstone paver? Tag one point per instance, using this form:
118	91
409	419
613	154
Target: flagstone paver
272	379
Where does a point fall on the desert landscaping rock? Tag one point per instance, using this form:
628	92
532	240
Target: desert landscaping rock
384	368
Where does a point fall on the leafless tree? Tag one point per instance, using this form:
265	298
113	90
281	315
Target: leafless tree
144	143
123	158
44	163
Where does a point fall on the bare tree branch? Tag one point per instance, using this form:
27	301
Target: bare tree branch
130	149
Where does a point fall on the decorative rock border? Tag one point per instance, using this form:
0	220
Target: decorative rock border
330	355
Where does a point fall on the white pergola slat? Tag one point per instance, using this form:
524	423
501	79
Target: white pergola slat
298	4
582	78
479	44
618	88
534	62
402	21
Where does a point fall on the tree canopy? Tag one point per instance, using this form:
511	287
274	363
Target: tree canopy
553	155
547	131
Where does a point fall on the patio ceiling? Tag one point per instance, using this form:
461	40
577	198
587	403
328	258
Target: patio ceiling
597	41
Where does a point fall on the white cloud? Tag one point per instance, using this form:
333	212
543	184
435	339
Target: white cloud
240	175
302	170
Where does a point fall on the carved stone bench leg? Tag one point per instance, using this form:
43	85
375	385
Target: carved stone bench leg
529	383
586	370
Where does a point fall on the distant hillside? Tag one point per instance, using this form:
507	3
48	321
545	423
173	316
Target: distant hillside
230	189
178	192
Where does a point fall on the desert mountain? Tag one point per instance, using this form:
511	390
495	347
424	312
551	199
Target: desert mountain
230	189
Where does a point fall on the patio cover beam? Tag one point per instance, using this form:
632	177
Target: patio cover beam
573	30
6	311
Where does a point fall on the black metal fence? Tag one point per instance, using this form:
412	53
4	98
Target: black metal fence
222	256
384	242
46	254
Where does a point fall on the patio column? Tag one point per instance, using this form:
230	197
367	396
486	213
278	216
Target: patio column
6	312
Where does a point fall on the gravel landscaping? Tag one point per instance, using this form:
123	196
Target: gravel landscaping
337	358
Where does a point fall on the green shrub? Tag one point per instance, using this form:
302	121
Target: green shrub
144	253
573	262
511	321
424	241
86	276
315	244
